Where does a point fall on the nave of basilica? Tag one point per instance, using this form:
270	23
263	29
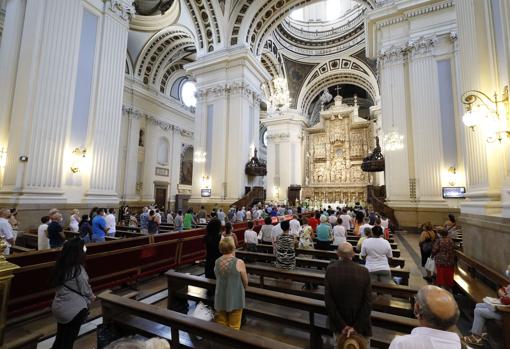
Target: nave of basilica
257	174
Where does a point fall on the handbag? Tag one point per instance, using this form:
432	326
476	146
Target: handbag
106	334
202	312
430	265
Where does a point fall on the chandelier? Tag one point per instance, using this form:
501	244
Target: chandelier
199	156
392	140
280	98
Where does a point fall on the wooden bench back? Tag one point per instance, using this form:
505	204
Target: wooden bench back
116	307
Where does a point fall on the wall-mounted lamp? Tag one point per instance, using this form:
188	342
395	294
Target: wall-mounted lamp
492	113
199	156
452	176
79	155
3	157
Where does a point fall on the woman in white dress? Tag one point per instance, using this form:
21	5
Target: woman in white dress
75	221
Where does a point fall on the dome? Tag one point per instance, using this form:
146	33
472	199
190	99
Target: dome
325	11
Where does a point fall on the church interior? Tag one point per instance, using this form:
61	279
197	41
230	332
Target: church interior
148	146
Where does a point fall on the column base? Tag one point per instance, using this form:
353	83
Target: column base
101	197
484	208
32	197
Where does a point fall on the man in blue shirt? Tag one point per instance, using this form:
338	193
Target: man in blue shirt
99	227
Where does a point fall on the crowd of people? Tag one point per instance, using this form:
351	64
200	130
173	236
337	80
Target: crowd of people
438	252
348	308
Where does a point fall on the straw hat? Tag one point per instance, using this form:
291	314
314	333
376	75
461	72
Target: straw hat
355	341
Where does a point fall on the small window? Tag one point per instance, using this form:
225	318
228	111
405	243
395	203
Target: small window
188	94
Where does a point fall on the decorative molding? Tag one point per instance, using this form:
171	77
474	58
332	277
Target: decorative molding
422	47
165	126
234	89
132	112
397	54
278	136
401	17
122	8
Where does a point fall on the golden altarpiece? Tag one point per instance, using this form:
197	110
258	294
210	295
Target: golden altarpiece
334	150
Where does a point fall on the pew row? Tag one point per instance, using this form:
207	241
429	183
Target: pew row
395	306
146	319
109	264
180	287
248	257
477	281
327	255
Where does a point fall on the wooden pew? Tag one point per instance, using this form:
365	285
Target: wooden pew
31	290
327	255
147	320
26	342
179	287
478	281
264	271
20	249
309	263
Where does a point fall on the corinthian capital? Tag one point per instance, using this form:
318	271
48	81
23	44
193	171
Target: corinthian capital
123	8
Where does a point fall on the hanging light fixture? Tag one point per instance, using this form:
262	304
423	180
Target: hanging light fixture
392	140
491	114
280	98
199	156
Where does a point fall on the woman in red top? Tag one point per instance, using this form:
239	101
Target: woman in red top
443	253
314	221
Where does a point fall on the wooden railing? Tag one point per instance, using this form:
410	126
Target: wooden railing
379	205
255	195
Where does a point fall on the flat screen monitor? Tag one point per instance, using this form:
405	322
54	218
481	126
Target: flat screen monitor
454	192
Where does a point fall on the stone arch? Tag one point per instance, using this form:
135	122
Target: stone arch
164	53
253	24
354	72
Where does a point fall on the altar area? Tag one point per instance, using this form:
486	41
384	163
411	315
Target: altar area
334	150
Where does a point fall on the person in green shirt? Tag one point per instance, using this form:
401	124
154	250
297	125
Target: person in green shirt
188	219
324	234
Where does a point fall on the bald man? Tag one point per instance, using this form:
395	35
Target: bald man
437	312
348	295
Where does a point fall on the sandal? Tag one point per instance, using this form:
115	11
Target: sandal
475	340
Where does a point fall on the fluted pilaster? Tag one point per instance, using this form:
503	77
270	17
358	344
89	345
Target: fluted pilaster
131	166
394	113
108	108
9	55
426	126
43	99
476	73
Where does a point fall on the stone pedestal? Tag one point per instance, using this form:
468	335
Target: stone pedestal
226	121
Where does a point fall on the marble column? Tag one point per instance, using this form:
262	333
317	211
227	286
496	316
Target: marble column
226	124
149	164
426	123
483	170
175	165
9	56
42	101
131	168
108	104
284	153
399	177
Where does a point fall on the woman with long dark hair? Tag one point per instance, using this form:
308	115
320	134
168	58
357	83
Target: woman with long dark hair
73	293
212	246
